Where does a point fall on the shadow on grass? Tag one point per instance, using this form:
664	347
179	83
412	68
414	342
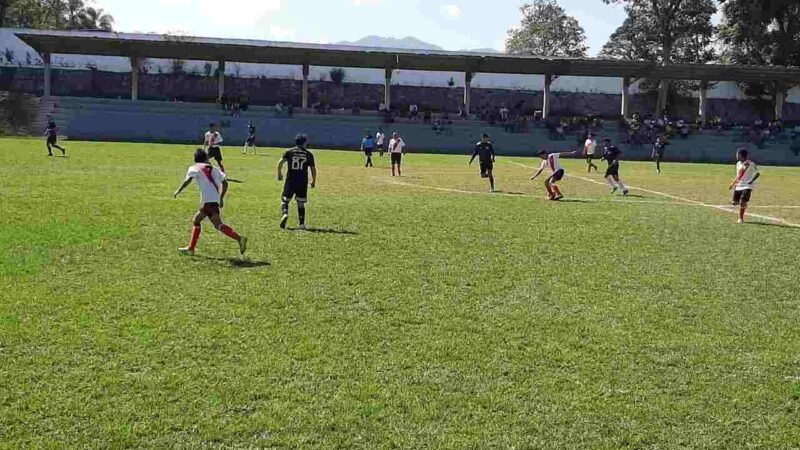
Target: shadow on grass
772	224
510	193
635	196
232	180
325	231
235	263
571	200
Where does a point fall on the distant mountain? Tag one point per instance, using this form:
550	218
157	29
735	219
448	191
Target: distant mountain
409	43
483	50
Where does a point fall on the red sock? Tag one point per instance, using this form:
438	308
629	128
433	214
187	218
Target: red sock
228	231
195	237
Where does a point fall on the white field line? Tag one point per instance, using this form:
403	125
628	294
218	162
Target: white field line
588	200
684	200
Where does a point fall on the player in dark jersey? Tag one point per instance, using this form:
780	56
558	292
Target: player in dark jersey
484	151
658	152
52	138
611	154
299	160
251	139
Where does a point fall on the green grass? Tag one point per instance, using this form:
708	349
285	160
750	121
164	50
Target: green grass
432	319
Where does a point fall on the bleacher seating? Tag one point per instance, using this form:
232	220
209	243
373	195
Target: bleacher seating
176	122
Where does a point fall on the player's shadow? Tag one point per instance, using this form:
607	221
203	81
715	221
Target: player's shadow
236	263
325	231
571	200
770	224
510	193
635	196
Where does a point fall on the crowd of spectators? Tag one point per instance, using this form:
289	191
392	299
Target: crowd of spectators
234	104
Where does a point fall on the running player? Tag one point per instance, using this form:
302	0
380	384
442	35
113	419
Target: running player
589	148
658	152
553	162
211	144
611	154
213	187
251	139
397	149
484	150
52	137
368	146
299	160
745	182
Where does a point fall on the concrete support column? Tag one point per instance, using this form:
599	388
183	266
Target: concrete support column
661	104
626	98
780	99
48	74
467	88
548	80
135	68
703	103
306	71
387	89
221	76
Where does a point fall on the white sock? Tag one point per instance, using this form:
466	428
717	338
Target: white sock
622	185
610	182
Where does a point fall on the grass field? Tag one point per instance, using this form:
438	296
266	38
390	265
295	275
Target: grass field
422	313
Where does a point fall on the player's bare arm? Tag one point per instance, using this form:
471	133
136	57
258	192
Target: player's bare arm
183	186
538	172
222	193
313	177
280	169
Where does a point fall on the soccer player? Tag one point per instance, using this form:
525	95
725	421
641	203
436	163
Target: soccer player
658	152
211	144
52	137
484	150
553	162
589	148
299	160
251	139
367	146
611	154
745	182
213	187
379	141
397	149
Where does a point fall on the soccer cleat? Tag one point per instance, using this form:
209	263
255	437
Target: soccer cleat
303	227
242	245
740	221
614	190
491	191
625	192
186	251
557	198
284	219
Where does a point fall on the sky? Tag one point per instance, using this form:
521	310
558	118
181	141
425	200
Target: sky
452	24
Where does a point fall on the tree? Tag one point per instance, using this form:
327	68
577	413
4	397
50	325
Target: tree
664	32
97	19
546	30
338	75
761	32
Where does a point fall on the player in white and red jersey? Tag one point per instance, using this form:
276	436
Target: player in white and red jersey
213	186
211	144
745	182
552	161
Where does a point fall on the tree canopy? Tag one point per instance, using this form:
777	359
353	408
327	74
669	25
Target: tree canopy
54	14
546	30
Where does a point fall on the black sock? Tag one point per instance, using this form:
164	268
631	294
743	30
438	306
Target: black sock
301	213
285	209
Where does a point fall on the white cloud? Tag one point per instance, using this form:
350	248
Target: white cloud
278	33
451	11
238	12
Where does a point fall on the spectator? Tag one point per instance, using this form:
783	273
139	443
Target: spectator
413	112
382	107
504	114
426	117
462	112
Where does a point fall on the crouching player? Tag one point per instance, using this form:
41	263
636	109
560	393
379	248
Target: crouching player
299	160
553	162
746	175
213	187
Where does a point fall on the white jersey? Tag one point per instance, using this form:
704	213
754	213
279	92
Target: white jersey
746	172
396	145
213	139
590	146
553	162
209	179
379	139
